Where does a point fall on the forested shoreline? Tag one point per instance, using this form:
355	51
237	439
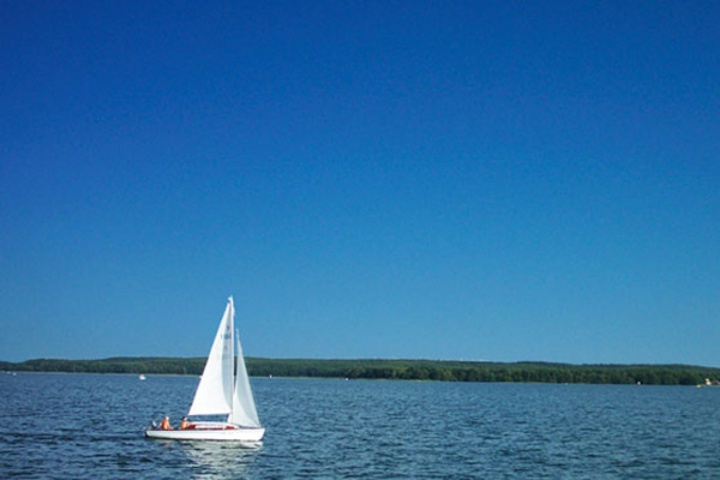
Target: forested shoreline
438	370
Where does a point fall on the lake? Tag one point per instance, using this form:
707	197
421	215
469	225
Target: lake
64	426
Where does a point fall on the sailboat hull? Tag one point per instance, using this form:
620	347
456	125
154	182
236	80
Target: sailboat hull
210	431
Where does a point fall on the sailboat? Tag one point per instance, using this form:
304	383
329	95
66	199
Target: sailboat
220	393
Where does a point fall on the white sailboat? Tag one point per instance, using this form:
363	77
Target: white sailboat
220	393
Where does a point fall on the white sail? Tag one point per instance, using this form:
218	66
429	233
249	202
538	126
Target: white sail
244	412
215	391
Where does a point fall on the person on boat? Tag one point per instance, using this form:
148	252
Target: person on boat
165	424
184	423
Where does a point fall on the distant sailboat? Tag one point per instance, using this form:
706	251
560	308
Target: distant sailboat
221	393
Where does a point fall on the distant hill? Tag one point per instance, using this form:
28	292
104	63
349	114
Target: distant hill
440	370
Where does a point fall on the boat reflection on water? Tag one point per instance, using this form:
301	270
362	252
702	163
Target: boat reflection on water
221	460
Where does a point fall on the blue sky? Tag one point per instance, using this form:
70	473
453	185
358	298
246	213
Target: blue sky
448	180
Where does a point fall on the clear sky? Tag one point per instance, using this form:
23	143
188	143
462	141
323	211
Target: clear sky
480	180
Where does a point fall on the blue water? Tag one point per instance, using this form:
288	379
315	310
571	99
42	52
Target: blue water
90	426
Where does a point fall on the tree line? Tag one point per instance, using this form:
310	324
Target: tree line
438	370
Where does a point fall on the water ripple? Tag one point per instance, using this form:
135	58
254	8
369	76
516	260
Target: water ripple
90	426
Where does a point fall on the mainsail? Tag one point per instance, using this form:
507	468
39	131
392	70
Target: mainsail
215	391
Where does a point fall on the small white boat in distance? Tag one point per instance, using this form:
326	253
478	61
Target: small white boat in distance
141	377
220	393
